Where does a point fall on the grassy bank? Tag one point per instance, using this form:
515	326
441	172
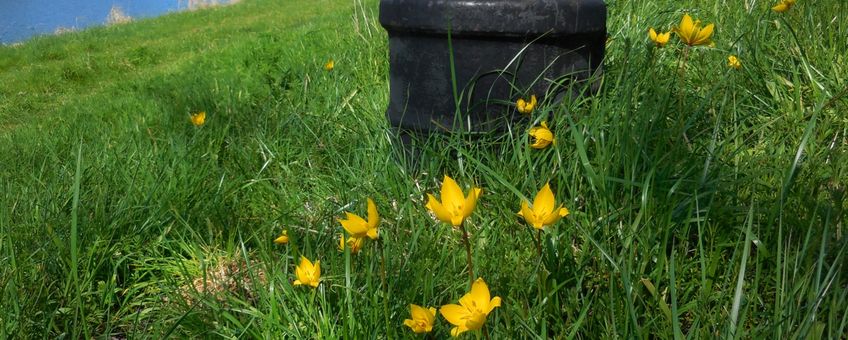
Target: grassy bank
706	201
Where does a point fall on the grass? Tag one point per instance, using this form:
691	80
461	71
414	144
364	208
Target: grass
709	203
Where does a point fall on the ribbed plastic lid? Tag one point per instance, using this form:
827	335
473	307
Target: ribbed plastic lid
502	17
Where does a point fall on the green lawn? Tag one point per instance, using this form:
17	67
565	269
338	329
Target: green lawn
704	200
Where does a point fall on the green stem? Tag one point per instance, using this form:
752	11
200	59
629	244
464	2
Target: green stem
540	277
348	298
385	286
681	93
681	69
539	242
468	254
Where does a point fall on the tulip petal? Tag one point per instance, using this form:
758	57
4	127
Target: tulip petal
476	321
418	312
356	219
373	215
455	314
555	216
552	217
534	130
452	195
543	204
436	207
652	34
467	301
496	302
456	331
480	293
686	29
456	220
356	244
542	135
411	324
354	225
686	23
298	272
307	273
540	144
471	201
373	234
703	36
781	7
521	105
527	213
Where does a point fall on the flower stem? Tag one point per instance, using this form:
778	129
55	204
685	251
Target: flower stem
468	254
682	66
348	296
385	286
539	241
681	92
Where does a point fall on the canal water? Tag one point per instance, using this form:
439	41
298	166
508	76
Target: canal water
22	19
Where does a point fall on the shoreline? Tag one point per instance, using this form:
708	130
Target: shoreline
116	15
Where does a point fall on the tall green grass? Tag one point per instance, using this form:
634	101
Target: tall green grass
705	205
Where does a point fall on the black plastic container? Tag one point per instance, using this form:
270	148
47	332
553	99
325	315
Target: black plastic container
502	50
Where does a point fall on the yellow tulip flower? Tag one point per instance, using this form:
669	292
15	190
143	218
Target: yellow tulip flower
283	238
357	227
422	319
542	136
454	207
473	308
691	33
783	6
329	65
307	273
526	107
660	39
733	61
355	243
199	118
543	212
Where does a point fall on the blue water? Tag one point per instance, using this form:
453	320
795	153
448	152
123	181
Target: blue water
22	19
